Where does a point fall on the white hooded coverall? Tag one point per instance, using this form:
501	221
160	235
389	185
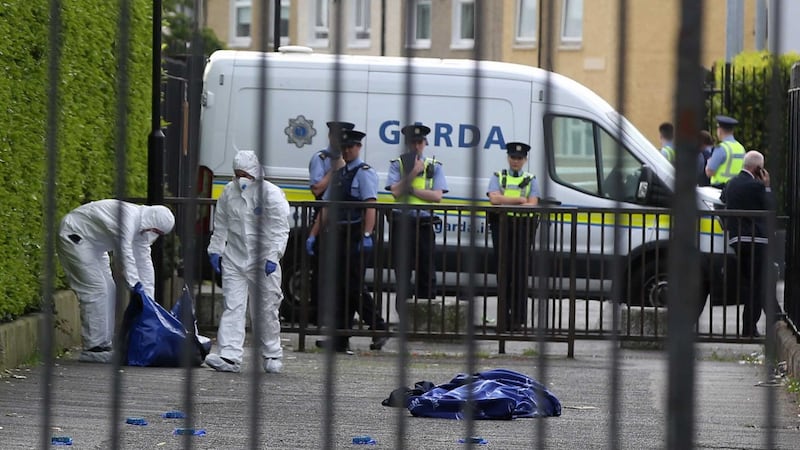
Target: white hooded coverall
86	235
251	226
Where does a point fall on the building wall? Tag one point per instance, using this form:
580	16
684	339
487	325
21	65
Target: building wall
651	54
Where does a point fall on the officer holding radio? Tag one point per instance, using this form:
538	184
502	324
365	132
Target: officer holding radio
351	231
513	232
420	181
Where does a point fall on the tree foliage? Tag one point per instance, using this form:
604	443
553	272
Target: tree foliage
179	30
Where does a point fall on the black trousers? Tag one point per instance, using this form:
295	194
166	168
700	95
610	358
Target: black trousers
755	290
513	241
350	294
417	247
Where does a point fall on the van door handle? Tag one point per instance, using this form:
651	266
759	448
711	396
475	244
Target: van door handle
549	201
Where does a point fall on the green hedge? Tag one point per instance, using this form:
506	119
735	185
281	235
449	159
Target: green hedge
87	125
749	98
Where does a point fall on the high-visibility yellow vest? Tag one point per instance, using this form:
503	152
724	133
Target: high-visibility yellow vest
515	187
422	181
734	162
669	152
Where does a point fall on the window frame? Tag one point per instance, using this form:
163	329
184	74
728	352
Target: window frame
524	40
412	40
315	38
565	8
365	27
234	39
457	40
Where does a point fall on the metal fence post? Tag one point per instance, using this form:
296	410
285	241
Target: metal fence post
791	303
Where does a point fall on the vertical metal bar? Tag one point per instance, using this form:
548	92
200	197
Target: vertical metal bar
775	130
543	257
332	248
155	151
120	145
470	260
617	272
276	25
791	302
684	257
189	213
51	151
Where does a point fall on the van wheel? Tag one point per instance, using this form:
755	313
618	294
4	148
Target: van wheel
292	285
649	284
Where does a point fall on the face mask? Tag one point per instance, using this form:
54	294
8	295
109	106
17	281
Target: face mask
244	182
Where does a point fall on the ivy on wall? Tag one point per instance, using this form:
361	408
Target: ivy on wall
88	95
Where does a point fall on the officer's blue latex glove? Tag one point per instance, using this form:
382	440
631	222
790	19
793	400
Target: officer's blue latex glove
215	258
310	245
138	287
366	244
270	267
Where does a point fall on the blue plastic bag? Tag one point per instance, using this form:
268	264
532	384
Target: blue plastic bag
154	337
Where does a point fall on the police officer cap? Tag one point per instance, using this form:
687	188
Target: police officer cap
340	125
726	122
517	149
415	132
352	137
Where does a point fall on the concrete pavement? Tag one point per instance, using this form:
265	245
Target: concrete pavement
731	405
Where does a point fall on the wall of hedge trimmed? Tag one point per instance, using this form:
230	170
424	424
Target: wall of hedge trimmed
87	125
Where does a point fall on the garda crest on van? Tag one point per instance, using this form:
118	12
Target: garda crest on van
300	131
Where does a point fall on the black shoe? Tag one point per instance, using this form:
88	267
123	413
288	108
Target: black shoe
378	342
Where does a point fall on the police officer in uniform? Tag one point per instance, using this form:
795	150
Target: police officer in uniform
320	168
416	180
513	232
726	159
352	231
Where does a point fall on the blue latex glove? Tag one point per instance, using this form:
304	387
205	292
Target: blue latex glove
366	244
215	259
310	245
270	267
138	287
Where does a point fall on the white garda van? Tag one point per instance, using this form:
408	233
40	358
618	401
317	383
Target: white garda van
574	143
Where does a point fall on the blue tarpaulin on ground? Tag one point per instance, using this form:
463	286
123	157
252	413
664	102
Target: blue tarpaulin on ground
496	394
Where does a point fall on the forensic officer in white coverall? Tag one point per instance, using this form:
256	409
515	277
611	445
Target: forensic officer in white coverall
86	235
251	228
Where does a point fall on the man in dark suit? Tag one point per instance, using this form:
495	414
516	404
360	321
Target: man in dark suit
750	190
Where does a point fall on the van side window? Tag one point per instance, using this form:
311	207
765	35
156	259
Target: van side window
583	157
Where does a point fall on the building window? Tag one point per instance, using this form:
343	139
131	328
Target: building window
241	15
526	21
463	23
360	34
420	36
572	21
319	29
284	25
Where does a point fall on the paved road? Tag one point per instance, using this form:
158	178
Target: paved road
731	407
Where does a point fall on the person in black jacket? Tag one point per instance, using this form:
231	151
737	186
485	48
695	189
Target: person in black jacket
750	190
